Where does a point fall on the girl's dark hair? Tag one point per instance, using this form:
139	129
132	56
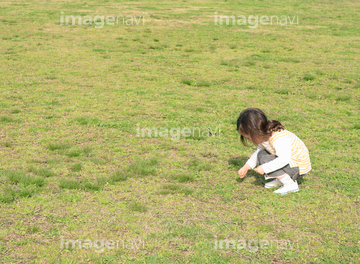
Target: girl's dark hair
254	123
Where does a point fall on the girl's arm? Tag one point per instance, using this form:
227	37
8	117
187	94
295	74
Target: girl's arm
252	161
282	148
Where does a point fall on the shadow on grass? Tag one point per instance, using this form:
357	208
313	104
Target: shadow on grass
301	180
237	162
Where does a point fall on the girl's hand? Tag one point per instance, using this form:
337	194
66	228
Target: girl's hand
242	172
259	170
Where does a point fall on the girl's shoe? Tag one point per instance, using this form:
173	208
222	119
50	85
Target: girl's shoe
294	187
274	183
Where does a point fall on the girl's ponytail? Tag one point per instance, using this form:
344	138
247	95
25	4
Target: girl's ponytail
274	126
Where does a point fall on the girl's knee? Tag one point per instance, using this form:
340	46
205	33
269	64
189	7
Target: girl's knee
264	156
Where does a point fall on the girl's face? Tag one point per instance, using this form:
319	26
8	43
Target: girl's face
247	137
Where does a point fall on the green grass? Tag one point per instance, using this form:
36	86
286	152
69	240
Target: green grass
69	184
73	153
308	77
73	166
7	144
183	177
173	189
57	146
15	111
43	172
9	194
76	167
17	177
118	176
203	83
84	185
6	119
187	81
143	167
200	165
136	207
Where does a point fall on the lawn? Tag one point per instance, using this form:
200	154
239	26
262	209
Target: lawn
118	142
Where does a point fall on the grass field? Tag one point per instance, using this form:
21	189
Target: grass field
73	165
